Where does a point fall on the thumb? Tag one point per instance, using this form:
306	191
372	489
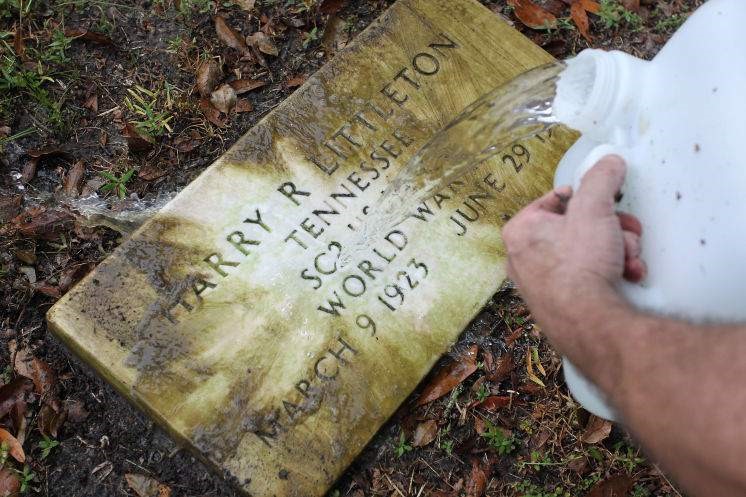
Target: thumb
599	186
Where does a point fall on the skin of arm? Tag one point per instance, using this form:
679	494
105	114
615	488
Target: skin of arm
675	384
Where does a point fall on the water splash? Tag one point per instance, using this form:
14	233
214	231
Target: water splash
512	112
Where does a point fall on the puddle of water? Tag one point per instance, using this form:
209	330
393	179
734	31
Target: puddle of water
512	112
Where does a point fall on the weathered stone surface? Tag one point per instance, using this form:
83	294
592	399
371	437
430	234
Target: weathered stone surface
226	316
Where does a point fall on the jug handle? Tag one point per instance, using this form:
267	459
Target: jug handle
590	160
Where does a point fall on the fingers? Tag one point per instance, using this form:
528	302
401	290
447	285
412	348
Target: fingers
599	186
629	222
635	270
631	245
554	201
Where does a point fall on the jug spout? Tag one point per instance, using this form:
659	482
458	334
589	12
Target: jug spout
598	93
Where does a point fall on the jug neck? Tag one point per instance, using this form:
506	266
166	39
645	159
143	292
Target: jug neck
598	94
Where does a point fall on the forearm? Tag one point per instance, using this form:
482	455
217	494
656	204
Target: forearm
676	386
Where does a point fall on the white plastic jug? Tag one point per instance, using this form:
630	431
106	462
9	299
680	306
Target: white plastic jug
680	123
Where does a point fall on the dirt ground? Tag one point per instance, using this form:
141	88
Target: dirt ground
104	96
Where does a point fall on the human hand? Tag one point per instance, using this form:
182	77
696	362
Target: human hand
565	249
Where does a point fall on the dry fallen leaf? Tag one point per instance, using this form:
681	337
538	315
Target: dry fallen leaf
580	18
13	392
44	378
91	103
296	81
243	105
10	485
209	74
494	402
450	376
616	486
425	433
242	86
38	222
597	430
590	6
230	36
49	421
331	6
14	447
136	141
532	15
501	368
74	178
76	411
263	43
88	35
224	98
477	480
145	486
211	113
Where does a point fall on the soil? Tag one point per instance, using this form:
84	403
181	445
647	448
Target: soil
78	116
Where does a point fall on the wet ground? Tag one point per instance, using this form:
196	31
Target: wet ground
68	69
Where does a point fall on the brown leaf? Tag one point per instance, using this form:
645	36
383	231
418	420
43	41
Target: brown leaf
151	171
633	5
616	486
597	430
502	368
91	103
48	289
533	16
136	141
76	411
224	98
243	105
10	205
18	45
25	364
425	433
209	74
72	275
88	35
10	485
477	480
74	178
590	6
230	36
494	402
450	376
242	86
40	222
479	425
331	6
211	113
580	18
13	392
145	486
263	43
296	81
50	421
15	447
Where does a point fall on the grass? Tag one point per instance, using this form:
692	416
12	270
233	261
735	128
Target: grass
613	15
117	184
150	109
402	447
498	440
47	445
668	24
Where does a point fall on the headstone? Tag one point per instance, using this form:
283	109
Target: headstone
227	317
